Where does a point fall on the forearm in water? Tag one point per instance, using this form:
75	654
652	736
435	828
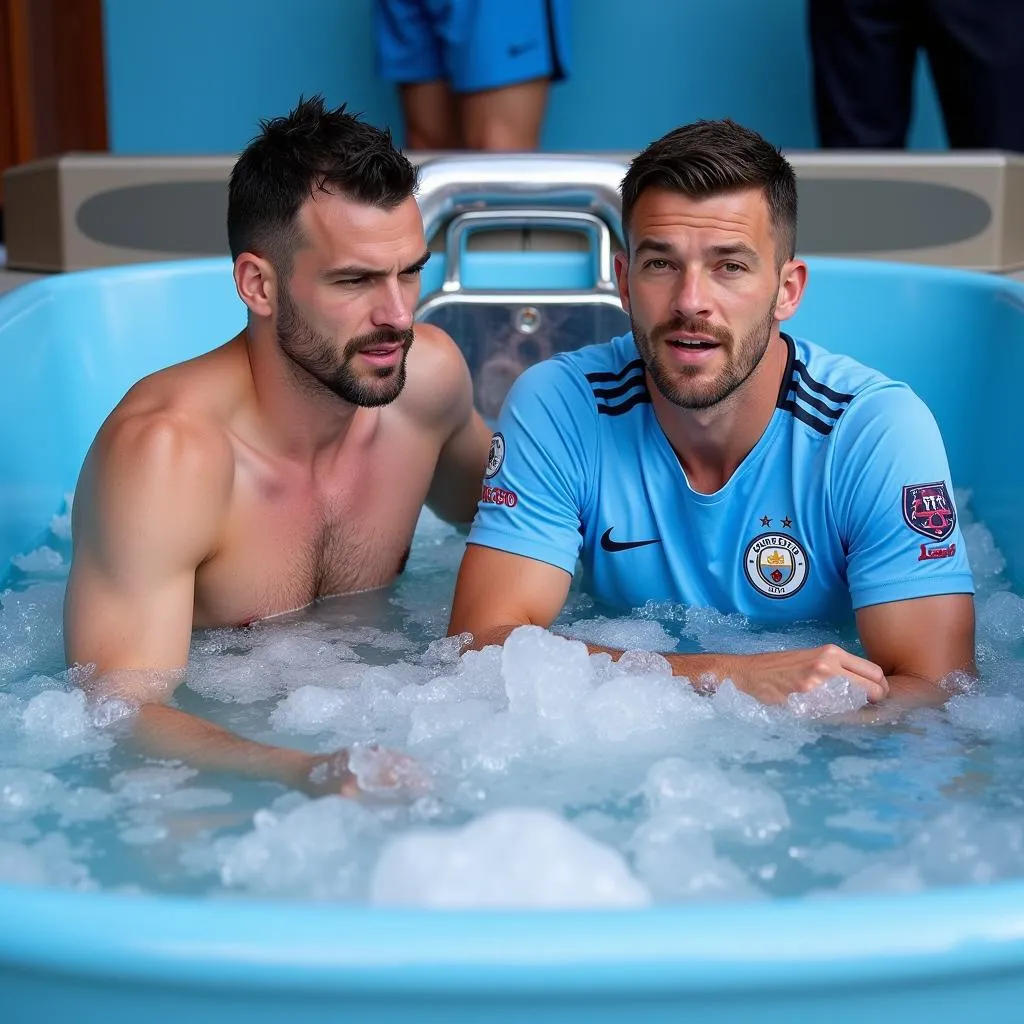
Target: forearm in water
162	731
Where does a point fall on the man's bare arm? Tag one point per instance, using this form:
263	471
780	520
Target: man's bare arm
459	476
496	592
148	510
919	642
446	404
149	507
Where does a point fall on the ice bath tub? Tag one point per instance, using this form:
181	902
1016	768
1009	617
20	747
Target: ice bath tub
70	347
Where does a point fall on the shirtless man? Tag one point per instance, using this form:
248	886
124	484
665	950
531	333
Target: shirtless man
291	463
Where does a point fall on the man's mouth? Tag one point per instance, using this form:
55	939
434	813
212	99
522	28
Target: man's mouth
384	355
695	342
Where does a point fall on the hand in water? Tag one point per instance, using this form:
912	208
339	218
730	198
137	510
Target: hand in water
886	714
367	771
771	678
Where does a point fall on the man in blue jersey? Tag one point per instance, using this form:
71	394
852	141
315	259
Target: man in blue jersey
709	458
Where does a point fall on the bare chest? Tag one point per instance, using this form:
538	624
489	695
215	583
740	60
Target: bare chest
289	544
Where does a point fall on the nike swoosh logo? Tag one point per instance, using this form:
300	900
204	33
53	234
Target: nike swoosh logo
622	545
518	50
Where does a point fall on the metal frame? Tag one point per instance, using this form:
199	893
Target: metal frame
455	184
464	224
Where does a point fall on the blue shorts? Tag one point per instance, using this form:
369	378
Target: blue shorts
473	44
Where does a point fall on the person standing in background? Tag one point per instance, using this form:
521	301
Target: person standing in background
864	53
472	74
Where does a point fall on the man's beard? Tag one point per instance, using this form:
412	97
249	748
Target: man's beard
315	354
672	383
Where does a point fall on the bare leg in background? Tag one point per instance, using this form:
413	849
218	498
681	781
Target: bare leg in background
431	116
505	119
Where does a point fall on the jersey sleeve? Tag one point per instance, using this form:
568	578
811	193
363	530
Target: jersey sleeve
540	468
892	497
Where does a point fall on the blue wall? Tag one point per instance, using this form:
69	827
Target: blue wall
195	76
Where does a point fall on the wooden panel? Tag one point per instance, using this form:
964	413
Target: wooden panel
79	79
6	100
52	81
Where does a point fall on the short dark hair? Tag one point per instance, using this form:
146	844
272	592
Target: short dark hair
311	148
709	157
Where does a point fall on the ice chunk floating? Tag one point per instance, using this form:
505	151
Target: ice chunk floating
596	840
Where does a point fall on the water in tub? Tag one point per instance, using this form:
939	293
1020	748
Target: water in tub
556	778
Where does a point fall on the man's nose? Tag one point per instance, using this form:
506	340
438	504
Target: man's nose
692	299
392	308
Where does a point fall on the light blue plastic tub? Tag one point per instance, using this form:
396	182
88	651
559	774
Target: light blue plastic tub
71	346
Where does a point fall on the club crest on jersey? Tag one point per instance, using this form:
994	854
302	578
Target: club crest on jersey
496	455
775	564
928	510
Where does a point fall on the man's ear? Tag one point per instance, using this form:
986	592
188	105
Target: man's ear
792	282
256	283
622	278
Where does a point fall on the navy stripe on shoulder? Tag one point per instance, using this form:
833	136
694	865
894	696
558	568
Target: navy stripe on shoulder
795	395
787	375
817	386
638	398
605	377
815	403
627	385
821	426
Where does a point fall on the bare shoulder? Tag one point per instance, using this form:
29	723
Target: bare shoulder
163	442
155	467
438	389
170	431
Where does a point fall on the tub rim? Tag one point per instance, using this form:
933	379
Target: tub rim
286	945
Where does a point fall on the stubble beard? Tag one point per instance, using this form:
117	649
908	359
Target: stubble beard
742	361
318	365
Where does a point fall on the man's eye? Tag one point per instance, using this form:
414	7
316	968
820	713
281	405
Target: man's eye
733	268
656	264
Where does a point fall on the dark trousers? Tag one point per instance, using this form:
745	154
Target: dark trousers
864	53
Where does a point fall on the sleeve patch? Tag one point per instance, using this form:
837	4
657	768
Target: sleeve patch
496	455
928	510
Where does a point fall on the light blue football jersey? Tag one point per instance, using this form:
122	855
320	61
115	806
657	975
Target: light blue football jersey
845	501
